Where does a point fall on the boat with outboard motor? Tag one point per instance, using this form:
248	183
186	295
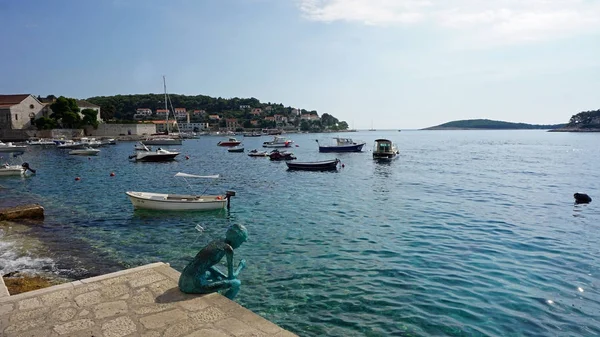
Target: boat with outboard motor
236	149
278	141
154	156
15	170
180	202
231	141
256	153
342	145
281	155
324	165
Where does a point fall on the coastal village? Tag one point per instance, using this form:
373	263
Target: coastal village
20	115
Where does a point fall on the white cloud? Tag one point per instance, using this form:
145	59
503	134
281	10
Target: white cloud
506	21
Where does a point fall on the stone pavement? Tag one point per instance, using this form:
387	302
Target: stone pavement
143	301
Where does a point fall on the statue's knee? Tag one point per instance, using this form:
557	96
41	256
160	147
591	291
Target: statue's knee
236	283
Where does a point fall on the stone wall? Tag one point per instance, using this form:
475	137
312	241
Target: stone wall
114	130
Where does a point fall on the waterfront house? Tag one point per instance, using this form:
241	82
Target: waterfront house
231	124
142	113
161	112
19	111
199	112
181	113
83	104
256	111
309	117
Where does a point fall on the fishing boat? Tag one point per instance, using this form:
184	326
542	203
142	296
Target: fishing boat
385	149
256	153
10	147
180	202
231	141
88	151
342	145
324	165
236	149
278	141
281	155
154	156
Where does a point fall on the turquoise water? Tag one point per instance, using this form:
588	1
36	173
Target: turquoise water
468	233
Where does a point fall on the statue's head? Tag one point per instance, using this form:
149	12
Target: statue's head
236	235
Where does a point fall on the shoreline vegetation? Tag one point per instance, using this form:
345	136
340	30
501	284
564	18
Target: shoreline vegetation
586	121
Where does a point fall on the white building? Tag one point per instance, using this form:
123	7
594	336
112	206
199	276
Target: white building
19	111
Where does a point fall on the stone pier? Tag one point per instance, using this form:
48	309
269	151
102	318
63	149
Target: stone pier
143	301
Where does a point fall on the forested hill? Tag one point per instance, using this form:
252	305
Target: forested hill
487	124
586	121
124	106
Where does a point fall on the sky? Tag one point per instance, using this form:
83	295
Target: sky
384	64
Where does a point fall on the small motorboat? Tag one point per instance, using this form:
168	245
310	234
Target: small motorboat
281	155
10	147
256	153
385	149
154	156
324	165
88	151
180	202
162	140
229	142
278	141
236	149
342	145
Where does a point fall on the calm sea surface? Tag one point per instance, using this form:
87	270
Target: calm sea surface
468	233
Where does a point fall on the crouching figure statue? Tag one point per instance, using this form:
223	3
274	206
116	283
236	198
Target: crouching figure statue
201	276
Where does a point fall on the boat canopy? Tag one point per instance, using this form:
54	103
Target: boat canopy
187	175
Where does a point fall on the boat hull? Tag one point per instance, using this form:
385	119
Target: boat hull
328	165
153	157
11	171
236	149
345	148
171	202
83	153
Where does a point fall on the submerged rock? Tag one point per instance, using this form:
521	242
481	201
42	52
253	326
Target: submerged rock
31	211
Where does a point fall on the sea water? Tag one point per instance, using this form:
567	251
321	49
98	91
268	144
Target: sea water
467	233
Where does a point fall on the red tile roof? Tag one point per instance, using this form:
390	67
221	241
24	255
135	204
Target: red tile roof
12	99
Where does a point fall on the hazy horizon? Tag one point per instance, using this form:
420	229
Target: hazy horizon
403	64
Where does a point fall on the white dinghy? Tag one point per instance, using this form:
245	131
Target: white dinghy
180	202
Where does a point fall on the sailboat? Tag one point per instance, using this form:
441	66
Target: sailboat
371	129
164	139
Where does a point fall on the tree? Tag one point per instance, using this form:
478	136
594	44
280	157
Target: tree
90	117
71	120
305	126
63	106
45	123
107	111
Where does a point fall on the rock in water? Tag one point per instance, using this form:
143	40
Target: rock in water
582	198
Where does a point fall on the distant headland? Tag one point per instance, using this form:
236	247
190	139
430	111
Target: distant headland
586	121
488	124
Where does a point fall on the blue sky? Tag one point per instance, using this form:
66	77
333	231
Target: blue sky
386	63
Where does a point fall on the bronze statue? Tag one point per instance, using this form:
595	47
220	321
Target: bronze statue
201	276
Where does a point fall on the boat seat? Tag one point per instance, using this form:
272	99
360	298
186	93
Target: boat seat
180	197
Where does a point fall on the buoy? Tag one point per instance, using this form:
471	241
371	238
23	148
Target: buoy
89	158
297	145
219	197
187	157
77	178
343	165
112	174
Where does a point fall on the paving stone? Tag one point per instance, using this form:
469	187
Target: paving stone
73	326
237	327
256	321
146	280
24	326
162	319
89	287
207	333
63	315
67	305
6	308
209	314
57	297
88	299
28	315
180	328
151	309
84	313
119	327
195	304
125	297
30	303
109	309
45	332
115	290
163	286
142	298
151	334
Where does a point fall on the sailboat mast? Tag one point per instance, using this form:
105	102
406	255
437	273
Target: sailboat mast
166	106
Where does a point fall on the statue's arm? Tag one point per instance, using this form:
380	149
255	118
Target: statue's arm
229	253
216	273
240	266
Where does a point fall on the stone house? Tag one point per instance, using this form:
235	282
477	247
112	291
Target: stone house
83	104
17	112
231	124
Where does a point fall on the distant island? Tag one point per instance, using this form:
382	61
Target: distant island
488	124
586	121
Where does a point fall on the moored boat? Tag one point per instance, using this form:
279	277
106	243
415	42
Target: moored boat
88	151
229	142
10	147
281	155
385	149
154	156
342	145
324	165
278	141
15	170
236	149
256	153
180	202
